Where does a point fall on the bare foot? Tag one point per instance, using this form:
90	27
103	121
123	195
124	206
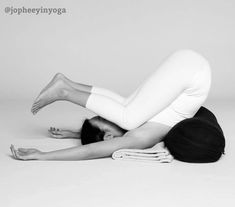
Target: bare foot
60	134
54	91
54	79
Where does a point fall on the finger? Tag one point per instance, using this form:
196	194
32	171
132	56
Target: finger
12	151
16	154
20	153
50	133
30	150
52	128
23	150
56	136
19	156
56	133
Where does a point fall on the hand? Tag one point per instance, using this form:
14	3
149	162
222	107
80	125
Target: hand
26	153
55	133
60	133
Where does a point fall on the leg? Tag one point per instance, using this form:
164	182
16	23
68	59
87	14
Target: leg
64	81
59	86
91	89
82	87
95	89
172	77
60	76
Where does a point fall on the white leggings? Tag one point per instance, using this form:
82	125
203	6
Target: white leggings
174	92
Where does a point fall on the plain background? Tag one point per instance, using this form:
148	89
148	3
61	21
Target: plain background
112	44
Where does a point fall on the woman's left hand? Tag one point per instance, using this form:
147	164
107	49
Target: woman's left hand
26	153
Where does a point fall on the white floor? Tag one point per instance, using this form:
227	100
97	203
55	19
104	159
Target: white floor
104	182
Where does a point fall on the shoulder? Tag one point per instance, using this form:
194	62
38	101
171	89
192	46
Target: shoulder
148	130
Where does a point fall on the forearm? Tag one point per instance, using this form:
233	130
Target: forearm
73	153
94	150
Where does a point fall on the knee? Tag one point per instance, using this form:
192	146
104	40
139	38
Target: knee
128	126
130	123
190	55
59	75
185	51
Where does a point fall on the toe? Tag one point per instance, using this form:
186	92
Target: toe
36	109
35	106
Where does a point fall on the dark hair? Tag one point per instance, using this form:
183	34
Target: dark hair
196	140
91	133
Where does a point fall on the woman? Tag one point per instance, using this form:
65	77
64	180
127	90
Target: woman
174	92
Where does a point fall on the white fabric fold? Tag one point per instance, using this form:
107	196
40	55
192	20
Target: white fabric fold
157	153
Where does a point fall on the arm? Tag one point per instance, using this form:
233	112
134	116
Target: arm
93	150
85	152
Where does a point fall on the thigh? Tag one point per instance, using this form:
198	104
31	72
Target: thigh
168	82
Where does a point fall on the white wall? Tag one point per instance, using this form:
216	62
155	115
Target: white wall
113	44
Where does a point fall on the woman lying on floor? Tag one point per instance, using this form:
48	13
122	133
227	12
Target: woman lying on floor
174	92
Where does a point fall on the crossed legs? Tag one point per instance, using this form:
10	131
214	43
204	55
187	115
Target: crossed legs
171	78
59	87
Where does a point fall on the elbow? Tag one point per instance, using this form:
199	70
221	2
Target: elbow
129	126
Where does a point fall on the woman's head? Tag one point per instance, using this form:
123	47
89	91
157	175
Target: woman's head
99	129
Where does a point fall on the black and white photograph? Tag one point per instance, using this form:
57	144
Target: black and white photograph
117	103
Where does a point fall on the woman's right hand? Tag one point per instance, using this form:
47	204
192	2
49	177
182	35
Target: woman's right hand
26	153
